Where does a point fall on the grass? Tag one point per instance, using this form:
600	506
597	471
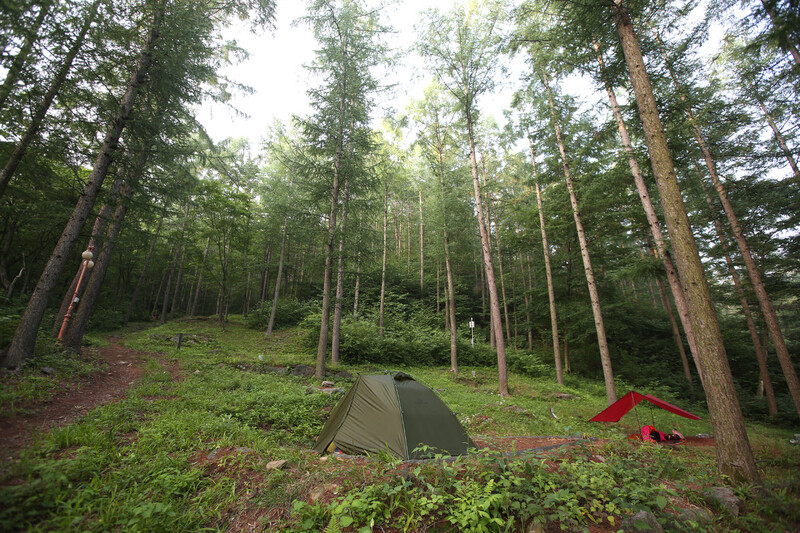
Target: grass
40	380
193	453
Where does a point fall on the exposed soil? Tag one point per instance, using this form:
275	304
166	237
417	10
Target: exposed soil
122	366
519	444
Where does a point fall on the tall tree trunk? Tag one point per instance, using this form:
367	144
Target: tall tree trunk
165	301
337	305
676	334
176	292
383	265
121	195
605	357
734	455
265	273
19	61
358	285
551	294
278	277
74	336
322	345
421	250
44	106
196	297
528	286
764	301
486	246
787	153
652	218
761	354
438	288
95	242
246	299
447	260
778	23
24	338
157	298
140	281
502	281
7	240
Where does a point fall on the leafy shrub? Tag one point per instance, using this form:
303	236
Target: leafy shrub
487	493
9	318
290	312
529	364
107	317
412	343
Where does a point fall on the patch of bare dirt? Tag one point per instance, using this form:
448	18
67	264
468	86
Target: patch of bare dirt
518	444
123	366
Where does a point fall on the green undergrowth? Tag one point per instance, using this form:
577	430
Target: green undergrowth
39	379
490	492
194	453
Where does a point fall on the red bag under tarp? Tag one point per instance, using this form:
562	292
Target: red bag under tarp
651	434
618	409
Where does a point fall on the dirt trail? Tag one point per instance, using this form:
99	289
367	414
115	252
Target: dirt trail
122	367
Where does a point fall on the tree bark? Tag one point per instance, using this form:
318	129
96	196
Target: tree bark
278	277
776	22
196	297
652	219
140	281
764	301
383	265
19	61
486	247
421	250
676	333
605	357
246	299
761	354
74	336
787	153
168	288
176	291
734	455
44	106
337	306
551	295
447	261
24	339
265	273
96	241
528	286
358	285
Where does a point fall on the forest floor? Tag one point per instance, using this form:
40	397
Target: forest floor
120	368
211	436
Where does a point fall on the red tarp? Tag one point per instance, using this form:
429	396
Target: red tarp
618	409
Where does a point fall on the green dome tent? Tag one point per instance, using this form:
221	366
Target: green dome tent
392	412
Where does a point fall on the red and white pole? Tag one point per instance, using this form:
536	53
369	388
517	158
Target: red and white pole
87	264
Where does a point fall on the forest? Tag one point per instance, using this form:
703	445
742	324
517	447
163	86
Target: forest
650	240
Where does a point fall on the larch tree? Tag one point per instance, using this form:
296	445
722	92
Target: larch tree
338	132
753	270
734	454
602	341
651	215
436	143
464	47
160	20
24	338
